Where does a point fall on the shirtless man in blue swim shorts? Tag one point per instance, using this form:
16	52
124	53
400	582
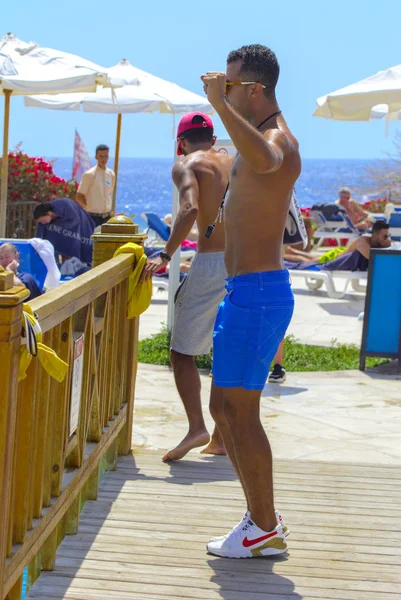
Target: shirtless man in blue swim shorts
254	315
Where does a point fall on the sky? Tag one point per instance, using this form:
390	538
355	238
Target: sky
321	47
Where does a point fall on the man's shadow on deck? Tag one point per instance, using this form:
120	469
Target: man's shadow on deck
206	469
251	578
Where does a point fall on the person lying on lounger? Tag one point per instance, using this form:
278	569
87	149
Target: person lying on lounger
355	257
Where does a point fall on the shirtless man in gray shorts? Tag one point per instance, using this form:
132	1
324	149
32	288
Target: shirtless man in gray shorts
201	178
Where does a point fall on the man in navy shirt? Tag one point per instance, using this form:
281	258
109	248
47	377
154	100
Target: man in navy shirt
9	261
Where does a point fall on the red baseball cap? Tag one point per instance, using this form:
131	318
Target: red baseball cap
190	122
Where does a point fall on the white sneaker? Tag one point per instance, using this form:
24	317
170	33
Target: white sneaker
249	541
280	521
247	515
244	519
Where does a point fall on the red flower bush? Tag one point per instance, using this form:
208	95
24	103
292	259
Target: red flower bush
376	206
33	179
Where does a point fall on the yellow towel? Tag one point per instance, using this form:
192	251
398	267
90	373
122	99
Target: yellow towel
32	346
139	293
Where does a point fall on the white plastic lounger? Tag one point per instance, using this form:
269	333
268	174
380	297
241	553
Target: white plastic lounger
395	224
315	279
159	283
337	229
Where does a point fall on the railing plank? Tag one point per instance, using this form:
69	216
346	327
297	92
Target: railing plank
24	446
35	465
121	345
49	439
64	346
76	457
125	441
112	355
41	443
104	362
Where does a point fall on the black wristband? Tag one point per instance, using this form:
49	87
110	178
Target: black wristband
165	255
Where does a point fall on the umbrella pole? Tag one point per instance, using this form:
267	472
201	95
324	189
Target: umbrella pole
174	271
116	159
4	165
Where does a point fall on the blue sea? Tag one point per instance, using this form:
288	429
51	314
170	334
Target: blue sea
144	184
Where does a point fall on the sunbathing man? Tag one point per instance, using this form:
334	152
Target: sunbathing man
254	315
358	216
380	238
201	178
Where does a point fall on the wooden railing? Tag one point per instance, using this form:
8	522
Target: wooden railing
20	222
53	439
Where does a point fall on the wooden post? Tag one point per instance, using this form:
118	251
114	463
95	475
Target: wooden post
115	233
92	485
11	299
16	591
71	518
4	165
49	550
116	160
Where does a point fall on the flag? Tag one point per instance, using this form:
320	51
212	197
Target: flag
81	162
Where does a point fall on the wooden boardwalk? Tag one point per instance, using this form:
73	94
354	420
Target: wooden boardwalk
144	539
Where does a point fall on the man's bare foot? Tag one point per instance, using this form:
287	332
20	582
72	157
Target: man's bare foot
214	447
189	442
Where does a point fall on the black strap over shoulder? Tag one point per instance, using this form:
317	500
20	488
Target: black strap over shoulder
211	228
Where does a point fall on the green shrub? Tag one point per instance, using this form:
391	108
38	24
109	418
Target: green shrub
298	357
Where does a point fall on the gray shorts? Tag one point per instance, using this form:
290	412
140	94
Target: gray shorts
196	304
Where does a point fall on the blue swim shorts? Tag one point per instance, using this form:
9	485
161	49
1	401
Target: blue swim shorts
251	322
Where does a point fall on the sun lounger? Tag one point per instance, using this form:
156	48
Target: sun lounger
339	226
36	257
316	279
161	234
159	283
395	224
161	231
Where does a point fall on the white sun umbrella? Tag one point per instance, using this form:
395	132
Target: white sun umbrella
356	102
143	92
381	112
46	70
27	68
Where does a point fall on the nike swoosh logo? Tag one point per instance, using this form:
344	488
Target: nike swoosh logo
246	543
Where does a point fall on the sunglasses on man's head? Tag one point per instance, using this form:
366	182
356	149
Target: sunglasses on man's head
230	83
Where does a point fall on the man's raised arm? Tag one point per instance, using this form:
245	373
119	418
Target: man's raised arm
263	153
